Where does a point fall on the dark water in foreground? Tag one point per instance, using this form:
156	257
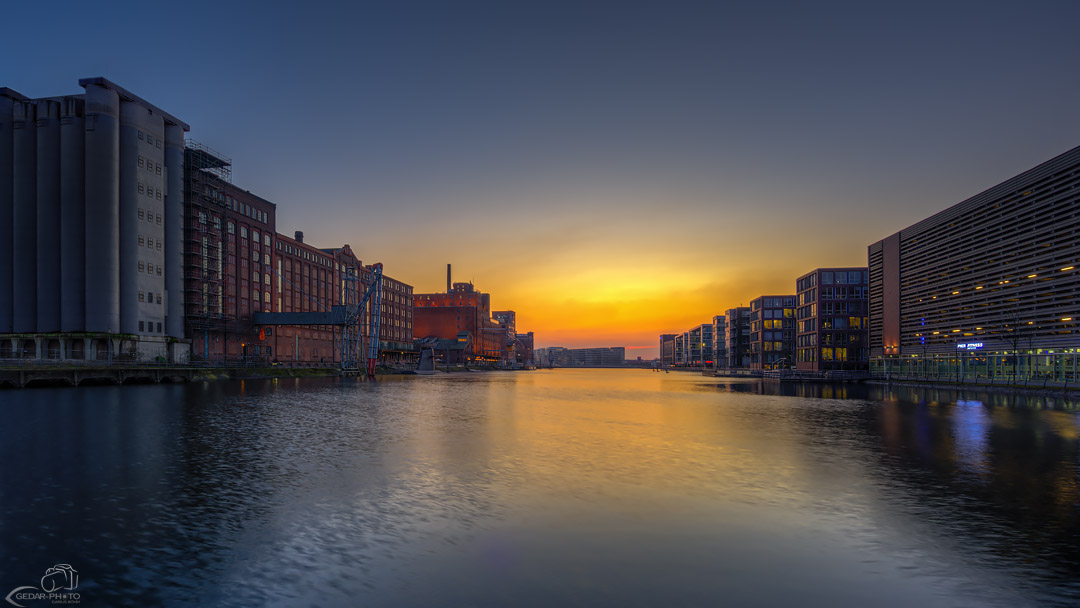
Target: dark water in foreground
547	488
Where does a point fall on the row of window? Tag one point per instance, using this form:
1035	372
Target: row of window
149	242
149	327
150	216
148	297
240	207
149	165
150	268
150	191
150	139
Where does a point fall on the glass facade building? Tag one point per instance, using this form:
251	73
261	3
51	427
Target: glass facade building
772	332
832	321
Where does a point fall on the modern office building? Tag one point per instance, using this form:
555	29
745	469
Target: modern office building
719	348
832	320
682	349
91	226
737	337
988	286
700	345
667	349
772	332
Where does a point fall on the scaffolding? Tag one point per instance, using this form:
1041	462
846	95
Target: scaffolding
204	241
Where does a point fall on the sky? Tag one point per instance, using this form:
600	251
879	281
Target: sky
609	170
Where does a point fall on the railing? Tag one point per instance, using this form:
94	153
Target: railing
1032	379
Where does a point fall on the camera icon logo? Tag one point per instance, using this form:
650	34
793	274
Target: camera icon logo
60	576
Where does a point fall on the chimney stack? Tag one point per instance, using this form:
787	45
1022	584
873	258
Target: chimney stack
448	278
300	236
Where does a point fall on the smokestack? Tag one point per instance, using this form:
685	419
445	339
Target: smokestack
448	278
299	236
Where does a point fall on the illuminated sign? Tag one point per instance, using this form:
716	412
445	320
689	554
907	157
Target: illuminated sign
969	346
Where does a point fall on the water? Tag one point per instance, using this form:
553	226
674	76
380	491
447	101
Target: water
565	487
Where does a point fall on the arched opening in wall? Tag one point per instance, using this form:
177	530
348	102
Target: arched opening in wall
101	349
5	349
77	349
52	349
27	349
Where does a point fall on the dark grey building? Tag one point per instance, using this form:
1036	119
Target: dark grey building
91	226
719	348
737	337
772	332
989	286
831	332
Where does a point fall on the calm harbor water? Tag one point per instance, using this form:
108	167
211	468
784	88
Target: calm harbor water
564	487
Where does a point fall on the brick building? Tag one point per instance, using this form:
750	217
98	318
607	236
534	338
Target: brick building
308	279
462	310
229	241
396	320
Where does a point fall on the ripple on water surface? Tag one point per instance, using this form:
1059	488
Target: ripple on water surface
581	487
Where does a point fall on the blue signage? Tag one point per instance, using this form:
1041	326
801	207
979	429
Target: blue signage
969	346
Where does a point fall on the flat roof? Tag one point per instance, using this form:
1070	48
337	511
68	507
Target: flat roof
12	93
129	96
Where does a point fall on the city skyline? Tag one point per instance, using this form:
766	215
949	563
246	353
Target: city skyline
609	173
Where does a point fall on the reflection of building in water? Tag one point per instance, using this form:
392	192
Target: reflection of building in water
986	287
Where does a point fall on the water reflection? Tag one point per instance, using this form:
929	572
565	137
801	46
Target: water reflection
541	488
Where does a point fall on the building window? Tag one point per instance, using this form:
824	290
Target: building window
142	296
232	228
159	270
159	298
159	327
142	267
141	326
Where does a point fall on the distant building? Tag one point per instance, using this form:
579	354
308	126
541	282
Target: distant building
667	349
523	348
682	349
614	356
772	332
988	286
91	219
719	348
699	346
832	320
553	356
737	337
463	309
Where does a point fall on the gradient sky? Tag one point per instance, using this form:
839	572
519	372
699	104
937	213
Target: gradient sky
609	170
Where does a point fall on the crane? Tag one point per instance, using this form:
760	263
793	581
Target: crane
352	334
